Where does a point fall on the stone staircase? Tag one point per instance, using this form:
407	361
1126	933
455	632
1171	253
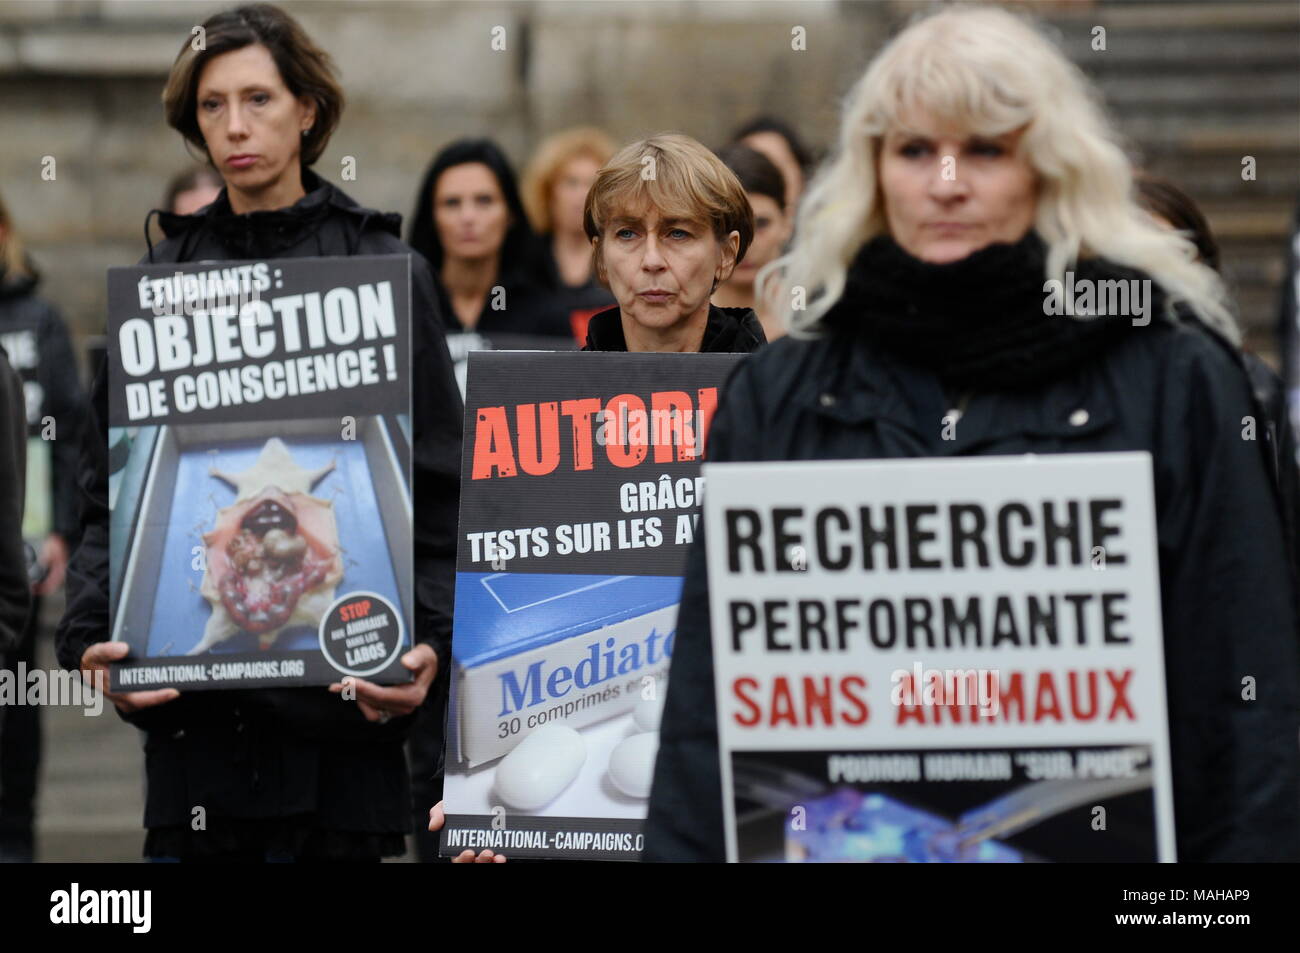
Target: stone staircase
1196	87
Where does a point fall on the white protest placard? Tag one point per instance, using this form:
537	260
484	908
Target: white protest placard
940	660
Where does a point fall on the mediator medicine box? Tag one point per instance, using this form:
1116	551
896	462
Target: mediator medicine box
536	648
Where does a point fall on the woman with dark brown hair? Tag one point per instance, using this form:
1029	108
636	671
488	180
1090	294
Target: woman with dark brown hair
765	188
281	774
192	189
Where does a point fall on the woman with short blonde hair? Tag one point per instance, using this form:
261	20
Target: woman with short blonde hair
668	222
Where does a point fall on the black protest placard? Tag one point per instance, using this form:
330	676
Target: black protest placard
260	490
579	499
585	463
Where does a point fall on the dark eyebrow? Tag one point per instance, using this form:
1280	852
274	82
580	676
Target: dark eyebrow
621	220
254	88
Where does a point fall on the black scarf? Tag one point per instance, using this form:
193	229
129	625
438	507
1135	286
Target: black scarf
728	331
978	322
19	283
267	233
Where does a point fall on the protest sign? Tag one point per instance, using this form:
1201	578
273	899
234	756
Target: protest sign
579	499
259	420
939	660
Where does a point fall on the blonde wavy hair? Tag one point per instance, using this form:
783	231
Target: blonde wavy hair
538	183
989	71
13	254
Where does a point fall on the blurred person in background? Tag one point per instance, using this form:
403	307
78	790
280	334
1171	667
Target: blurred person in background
40	350
187	193
554	189
1173	208
284	774
15	582
663	244
778	140
192	190
470	225
765	189
493	281
929	300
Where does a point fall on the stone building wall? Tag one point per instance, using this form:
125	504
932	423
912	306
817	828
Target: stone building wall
1196	85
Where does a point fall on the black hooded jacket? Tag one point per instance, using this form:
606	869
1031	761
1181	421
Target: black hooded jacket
263	754
40	350
530	310
15	590
728	331
1171	388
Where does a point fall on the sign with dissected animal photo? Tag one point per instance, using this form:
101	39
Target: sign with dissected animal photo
580	496
259	457
940	660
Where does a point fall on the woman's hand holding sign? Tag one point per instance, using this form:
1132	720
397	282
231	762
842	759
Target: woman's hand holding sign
94	669
437	818
379	703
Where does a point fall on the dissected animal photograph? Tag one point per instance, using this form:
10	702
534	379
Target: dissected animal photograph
242	543
273	558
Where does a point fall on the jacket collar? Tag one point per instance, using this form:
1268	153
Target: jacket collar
862	386
729	330
18	285
251	233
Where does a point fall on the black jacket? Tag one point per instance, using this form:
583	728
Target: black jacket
15	590
274	753
40	350
530	309
1228	602
1270	398
728	331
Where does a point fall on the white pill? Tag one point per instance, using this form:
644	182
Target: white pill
540	767
632	765
648	711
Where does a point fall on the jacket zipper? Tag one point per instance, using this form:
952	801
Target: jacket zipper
956	413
